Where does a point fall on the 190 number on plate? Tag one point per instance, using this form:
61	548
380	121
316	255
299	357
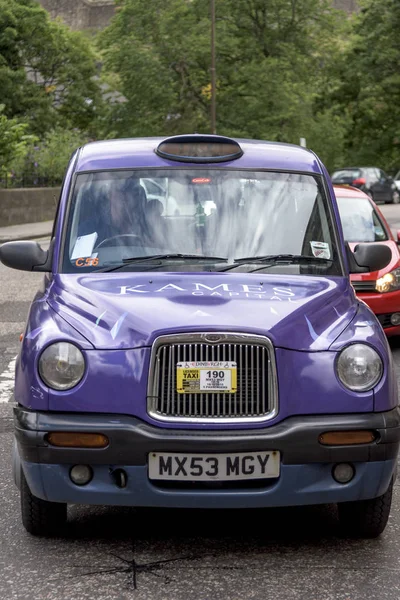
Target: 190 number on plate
206	377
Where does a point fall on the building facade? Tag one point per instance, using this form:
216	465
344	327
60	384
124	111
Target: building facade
347	5
81	14
96	14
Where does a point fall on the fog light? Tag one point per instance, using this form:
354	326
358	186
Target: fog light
343	473
81	474
395	319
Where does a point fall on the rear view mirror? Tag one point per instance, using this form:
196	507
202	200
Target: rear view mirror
25	256
369	257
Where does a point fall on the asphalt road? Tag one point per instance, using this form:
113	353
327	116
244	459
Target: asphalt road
107	553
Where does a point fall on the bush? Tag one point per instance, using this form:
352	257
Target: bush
14	141
44	163
54	152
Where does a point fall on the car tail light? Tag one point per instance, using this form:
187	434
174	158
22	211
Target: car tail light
359	181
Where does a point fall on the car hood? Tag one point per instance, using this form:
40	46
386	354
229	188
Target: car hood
129	310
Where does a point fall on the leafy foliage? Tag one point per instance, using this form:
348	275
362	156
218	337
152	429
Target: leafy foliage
14	140
285	69
369	92
54	152
273	56
46	70
44	162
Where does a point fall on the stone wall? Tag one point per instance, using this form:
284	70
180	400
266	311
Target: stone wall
97	14
81	14
29	205
347	5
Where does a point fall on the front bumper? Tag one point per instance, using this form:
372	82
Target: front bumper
306	465
384	306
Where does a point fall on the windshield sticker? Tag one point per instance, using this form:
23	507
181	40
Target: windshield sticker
320	250
84	246
86	262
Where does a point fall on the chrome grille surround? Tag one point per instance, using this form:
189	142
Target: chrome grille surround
162	398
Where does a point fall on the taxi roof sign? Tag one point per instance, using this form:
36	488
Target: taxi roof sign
199	148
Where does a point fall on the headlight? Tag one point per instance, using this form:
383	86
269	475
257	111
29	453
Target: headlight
359	367
389	282
61	366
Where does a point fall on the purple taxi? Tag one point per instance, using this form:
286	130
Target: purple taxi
196	341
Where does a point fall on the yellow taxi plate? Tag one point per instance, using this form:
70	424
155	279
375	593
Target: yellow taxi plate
206	377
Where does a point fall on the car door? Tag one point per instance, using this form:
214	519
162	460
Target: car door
386	182
375	186
397	181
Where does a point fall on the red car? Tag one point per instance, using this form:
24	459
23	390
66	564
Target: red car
362	221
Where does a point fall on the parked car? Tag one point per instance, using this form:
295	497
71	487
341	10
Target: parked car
362	221
397	180
371	180
199	360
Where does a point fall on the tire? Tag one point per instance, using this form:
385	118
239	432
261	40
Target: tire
395	197
40	517
365	518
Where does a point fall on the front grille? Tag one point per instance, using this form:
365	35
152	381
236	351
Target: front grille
364	286
256	395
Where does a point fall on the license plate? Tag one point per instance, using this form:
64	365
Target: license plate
207	376
214	467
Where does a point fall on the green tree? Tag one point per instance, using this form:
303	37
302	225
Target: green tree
273	58
45	161
156	49
14	140
46	70
55	150
370	93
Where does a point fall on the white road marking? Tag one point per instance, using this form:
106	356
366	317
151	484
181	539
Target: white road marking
7	381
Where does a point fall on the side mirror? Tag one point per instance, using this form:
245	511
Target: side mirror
398	236
367	258
26	256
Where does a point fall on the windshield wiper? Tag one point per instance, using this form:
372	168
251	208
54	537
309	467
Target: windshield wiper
272	259
160	257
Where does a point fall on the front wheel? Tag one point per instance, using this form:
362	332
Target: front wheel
366	518
40	517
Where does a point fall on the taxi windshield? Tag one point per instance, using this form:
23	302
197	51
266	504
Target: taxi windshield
192	219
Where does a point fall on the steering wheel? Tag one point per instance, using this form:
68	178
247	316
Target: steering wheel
115	237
